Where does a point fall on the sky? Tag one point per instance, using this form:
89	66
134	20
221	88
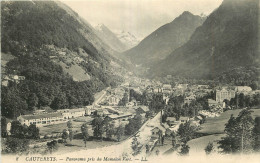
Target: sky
139	17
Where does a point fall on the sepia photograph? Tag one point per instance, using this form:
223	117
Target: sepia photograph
130	81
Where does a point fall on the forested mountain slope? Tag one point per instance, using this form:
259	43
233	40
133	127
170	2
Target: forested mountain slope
226	44
49	44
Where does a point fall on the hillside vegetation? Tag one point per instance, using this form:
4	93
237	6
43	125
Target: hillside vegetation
42	36
226	42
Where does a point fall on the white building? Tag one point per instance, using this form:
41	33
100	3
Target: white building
223	94
243	89
8	128
41	119
113	100
167	88
72	113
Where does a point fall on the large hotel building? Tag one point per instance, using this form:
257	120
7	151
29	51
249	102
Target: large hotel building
223	94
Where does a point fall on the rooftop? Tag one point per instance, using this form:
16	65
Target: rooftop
171	119
184	118
155	129
211	101
40	116
71	110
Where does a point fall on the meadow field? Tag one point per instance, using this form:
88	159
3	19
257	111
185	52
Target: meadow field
217	125
213	128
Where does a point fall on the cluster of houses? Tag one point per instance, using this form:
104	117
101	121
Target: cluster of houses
227	93
191	92
159	132
45	118
157	138
173	124
113	97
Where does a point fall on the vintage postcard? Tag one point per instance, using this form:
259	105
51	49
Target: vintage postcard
130	81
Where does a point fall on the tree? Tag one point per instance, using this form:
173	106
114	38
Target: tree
186	132
136	146
124	100
241	100
12	104
120	132
130	127
52	146
33	132
3	127
139	111
65	135
44	99
227	102
246	124
59	102
32	101
134	95
184	149
229	144
17	130
174	141
84	131
147	148
157	152
71	134
15	145
133	125
160	138
108	127
148	114
69	124
254	85
97	126
209	148
157	103
238	133
110	131
256	135
144	98
172	111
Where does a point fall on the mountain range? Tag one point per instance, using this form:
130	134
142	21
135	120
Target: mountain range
226	42
160	43
58	55
62	31
110	38
62	60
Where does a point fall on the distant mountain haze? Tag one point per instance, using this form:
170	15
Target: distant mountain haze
110	38
227	40
127	38
139	17
89	32
165	39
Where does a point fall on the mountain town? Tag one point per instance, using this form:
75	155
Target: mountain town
70	89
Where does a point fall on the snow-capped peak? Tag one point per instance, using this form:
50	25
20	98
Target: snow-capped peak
127	38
